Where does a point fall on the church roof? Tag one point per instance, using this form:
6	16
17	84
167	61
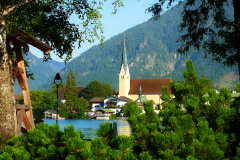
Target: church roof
142	99
149	86
124	56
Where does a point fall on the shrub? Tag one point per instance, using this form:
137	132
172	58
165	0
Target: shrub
113	116
46	142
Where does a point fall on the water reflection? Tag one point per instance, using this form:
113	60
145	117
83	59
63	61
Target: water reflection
89	127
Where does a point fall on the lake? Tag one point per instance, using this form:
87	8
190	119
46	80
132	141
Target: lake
89	127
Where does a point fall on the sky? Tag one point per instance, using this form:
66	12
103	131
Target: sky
132	14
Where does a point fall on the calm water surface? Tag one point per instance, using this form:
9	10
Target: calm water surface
89	127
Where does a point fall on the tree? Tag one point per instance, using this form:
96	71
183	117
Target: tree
131	108
208	26
54	88
209	84
50	22
40	101
93	89
71	93
81	105
189	127
107	89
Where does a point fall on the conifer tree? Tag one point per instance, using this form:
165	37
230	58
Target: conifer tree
71	93
190	126
193	126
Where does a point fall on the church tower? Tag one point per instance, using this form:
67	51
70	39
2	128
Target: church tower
124	75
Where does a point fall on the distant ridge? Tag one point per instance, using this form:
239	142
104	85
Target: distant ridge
57	66
42	72
151	51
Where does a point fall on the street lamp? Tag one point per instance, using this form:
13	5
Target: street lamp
57	81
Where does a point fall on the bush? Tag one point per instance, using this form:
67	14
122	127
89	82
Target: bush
113	116
46	142
195	127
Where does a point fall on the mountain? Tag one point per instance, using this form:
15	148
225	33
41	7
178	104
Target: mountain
42	72
151	50
57	66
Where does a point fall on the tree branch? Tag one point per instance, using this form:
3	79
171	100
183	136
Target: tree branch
11	8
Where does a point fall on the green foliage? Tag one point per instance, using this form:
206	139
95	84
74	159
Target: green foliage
195	127
107	89
147	40
64	112
42	72
79	115
44	19
131	108
71	94
82	105
46	142
105	131
54	88
212	27
40	101
113	116
96	89
189	126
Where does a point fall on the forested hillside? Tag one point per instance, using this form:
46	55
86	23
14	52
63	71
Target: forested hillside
42	72
151	51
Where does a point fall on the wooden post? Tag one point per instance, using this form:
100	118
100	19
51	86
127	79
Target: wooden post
24	112
22	79
114	130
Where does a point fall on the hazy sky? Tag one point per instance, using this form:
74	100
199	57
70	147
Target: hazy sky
132	14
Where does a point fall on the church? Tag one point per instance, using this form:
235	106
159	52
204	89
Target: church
150	88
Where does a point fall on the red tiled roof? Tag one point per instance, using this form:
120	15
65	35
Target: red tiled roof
149	86
61	92
123	98
72	111
97	99
115	93
16	96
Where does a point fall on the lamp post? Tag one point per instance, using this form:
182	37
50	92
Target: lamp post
57	81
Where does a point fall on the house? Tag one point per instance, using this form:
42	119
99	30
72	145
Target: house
97	103
51	114
61	93
151	88
113	103
103	114
73	111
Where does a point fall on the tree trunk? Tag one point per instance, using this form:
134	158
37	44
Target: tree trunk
236	6
7	110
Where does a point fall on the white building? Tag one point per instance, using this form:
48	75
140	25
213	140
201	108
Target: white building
51	114
113	102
